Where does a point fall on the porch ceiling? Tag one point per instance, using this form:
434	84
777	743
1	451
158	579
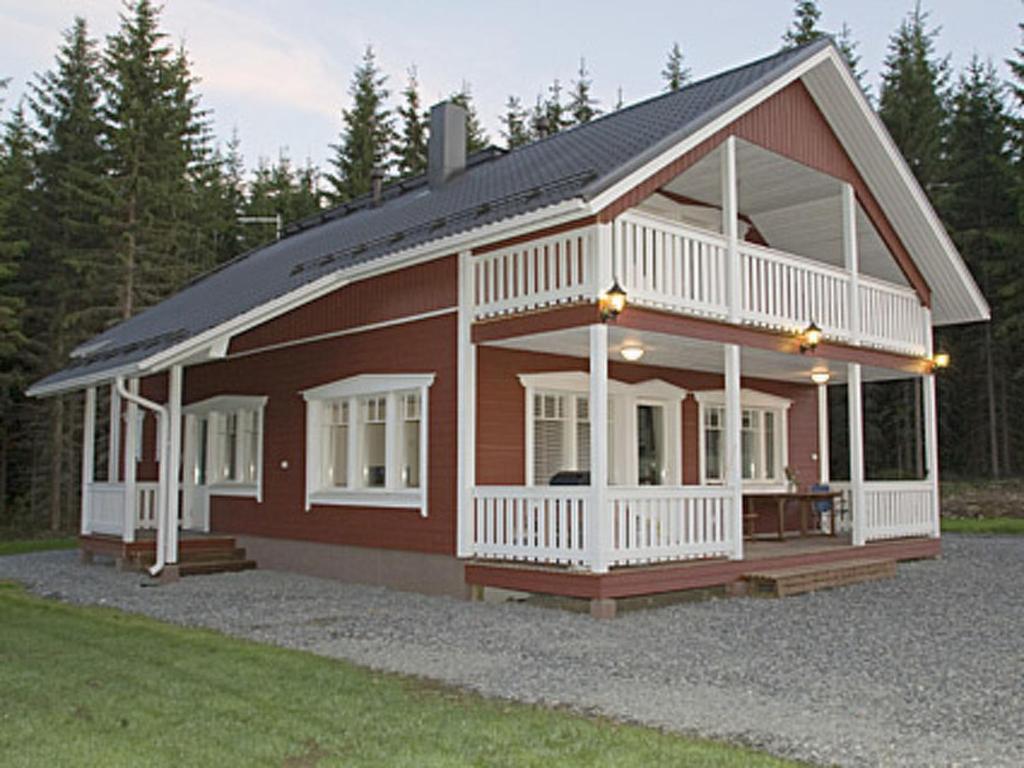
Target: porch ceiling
668	351
795	208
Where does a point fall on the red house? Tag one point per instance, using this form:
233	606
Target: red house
568	368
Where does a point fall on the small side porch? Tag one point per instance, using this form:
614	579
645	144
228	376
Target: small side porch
198	553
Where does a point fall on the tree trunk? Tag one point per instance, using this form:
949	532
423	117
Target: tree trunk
56	461
5	503
990	386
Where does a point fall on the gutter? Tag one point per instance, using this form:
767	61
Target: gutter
161	502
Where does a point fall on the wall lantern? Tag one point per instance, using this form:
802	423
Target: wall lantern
632	352
810	338
612	302
940	359
820	377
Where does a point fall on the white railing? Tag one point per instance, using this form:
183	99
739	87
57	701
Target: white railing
779	290
664	265
654	524
540	525
535	274
106	507
644	525
891	317
898	509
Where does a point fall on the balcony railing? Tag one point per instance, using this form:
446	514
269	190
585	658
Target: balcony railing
106	507
677	268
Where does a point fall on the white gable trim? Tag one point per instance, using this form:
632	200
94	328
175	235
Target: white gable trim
224	403
368	384
579	382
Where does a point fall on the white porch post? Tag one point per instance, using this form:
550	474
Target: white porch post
851	259
130	467
823	435
730	228
598	531
931	446
466	414
88	457
174	388
856	429
114	445
733	451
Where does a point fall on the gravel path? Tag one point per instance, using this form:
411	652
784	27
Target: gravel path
926	669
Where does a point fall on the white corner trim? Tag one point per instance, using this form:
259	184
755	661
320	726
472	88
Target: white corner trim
579	382
751	398
223	403
368	384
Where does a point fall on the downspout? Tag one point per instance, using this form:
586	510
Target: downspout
161	503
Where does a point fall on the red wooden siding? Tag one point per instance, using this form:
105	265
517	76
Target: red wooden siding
426	346
501	414
789	124
402	293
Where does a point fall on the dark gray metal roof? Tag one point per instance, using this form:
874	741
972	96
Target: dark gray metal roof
578	163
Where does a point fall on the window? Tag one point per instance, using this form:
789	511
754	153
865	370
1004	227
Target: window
225	435
367	442
762	439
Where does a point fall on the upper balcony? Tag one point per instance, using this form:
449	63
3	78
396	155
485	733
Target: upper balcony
667	258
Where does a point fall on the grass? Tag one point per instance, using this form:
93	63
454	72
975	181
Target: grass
94	686
989	525
22	546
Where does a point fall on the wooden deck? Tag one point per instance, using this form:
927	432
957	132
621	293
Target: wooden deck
635	581
198	553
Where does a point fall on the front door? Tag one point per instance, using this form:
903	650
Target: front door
196	496
650	443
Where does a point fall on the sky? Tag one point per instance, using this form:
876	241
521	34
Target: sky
279	73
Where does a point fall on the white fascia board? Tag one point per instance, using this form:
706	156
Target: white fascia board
906	177
128	371
579	382
368	384
623	186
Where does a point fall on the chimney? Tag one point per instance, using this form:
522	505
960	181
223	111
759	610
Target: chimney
377	182
446	151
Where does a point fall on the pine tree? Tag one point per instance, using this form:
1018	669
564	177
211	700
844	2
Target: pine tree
155	134
411	149
367	136
675	74
516	132
805	24
476	136
848	47
582	104
554	109
280	190
68	281
912	97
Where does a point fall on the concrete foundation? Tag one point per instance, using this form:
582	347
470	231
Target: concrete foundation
397	569
603	608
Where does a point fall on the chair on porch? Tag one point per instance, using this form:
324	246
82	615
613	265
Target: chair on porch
824	507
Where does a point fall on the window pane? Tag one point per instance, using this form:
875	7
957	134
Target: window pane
650	444
769	445
374	437
335	444
201	457
549	437
229	446
582	433
250	446
411	441
713	456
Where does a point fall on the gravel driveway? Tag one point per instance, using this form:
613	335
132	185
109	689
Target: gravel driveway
926	669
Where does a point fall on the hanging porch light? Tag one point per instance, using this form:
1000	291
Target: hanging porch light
612	302
810	338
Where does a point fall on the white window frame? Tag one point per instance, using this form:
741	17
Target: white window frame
750	399
215	410
355	389
623	398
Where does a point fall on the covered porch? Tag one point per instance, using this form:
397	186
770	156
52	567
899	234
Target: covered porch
693	429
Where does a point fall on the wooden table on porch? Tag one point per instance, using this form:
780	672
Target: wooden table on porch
804	498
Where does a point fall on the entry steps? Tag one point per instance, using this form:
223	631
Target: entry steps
783	582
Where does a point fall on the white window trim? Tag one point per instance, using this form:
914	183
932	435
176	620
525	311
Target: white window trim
353	388
214	408
622	433
755	399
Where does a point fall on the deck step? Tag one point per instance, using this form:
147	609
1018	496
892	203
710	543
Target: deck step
782	582
146	559
215	566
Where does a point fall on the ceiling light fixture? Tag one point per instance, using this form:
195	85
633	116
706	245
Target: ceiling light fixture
632	352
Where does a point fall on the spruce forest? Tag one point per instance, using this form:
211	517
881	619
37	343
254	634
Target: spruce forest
114	192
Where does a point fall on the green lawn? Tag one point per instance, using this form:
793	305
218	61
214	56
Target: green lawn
21	546
93	686
990	525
